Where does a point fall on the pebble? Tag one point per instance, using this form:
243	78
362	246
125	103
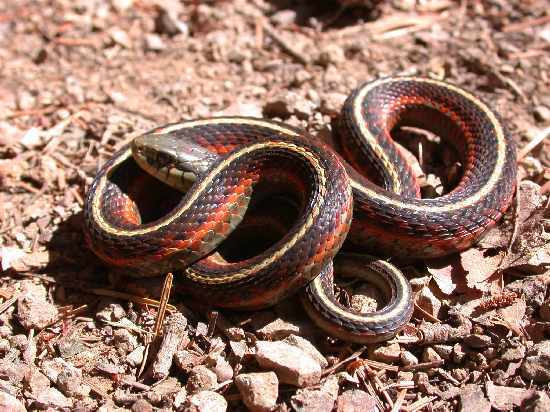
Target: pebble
278	329
52	398
460	374
259	391
331	54
154	42
541	113
120	37
201	378
135	357
332	102
235	334
389	353
141	405
355	400
70	383
291	364
430	355
458	353
544	311
308	348
539	402
312	400
428	302
109	311
408	359
477	341
205	401
10	403
473	399
445	351
284	18
536	365
125	340
513	354
14	372
36	382
34	311
222	369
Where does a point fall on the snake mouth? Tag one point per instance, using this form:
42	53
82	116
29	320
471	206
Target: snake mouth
140	204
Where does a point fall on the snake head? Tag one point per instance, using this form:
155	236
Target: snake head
175	160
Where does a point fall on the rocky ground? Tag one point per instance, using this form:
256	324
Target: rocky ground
79	79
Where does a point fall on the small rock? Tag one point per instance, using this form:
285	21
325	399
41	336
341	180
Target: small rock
122	5
513	354
356	400
536	365
477	341
445	351
332	102
388	353
120	37
18	341
312	400
135	358
278	329
34	311
141	405
300	77
70	383
205	401
125	340
541	113
235	334
4	345
308	348
5	331
408	359
14	372
430	355
405	376
544	310
109	311
70	346
239	348
201	329
533	289
10	403
460	374
222	369
284	18
428	302
201	378
52	398
154	42
331	54
458	353
53	367
187	360
36	381
168	22
258	390
539	402
473	399
180	398
292	365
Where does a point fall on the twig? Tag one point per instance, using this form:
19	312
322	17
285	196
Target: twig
399	400
525	24
419	404
164	296
351	357
543	134
426	314
284	45
4	306
131	298
425	365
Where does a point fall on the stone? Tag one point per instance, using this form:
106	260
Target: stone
284	18
308	348
34	311
154	42
201	378
141	405
36	382
356	400
472	399
52	398
312	400
513	354
135	358
445	351
10	403
109	311
259	391
539	402
544	310
291	364
70	383
477	341
124	340
205	401
408	359
278	329
541	113
428	302
430	355
387	353
537	368
222	369
14	372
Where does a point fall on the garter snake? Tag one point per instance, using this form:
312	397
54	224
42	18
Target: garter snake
239	164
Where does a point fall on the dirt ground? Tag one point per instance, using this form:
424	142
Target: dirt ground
79	79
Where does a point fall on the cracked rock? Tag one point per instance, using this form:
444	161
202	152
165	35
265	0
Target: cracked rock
259	390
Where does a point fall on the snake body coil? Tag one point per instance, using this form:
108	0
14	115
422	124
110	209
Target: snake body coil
243	166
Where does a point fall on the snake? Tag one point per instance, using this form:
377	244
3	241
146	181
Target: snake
191	196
